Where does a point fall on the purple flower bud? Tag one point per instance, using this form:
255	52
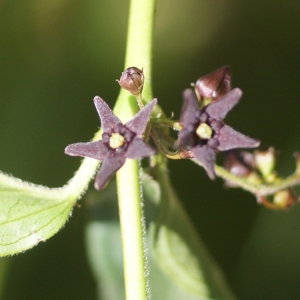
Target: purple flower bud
132	80
214	85
235	164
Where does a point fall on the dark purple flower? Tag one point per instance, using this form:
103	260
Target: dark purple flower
203	131
118	141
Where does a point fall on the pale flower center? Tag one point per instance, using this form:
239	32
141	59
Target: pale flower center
116	140
204	131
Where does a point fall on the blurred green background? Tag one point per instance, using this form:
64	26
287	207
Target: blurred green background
55	56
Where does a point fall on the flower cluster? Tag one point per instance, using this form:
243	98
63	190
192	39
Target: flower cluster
202	133
258	168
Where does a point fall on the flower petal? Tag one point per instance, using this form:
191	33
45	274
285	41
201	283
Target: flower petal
206	157
107	117
229	138
94	150
185	138
219	109
138	148
139	122
190	108
108	168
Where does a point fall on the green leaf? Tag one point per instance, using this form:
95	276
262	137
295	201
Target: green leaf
163	287
26	220
32	213
177	248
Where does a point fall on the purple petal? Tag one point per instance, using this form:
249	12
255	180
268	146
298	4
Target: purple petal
138	148
107	117
230	139
108	168
185	138
140	120
190	108
94	150
219	109
206	157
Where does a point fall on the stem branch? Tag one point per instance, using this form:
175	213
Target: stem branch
259	189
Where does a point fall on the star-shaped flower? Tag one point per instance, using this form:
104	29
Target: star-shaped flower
203	131
118	143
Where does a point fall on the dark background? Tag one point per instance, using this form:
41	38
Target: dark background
55	56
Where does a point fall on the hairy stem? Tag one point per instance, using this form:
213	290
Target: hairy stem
259	189
138	54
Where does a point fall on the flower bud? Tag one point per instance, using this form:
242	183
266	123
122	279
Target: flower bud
265	162
235	166
239	166
284	199
132	80
214	85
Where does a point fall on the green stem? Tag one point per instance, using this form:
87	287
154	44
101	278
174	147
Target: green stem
259	189
131	220
138	54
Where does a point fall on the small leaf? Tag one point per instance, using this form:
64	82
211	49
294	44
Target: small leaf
163	286
26	220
